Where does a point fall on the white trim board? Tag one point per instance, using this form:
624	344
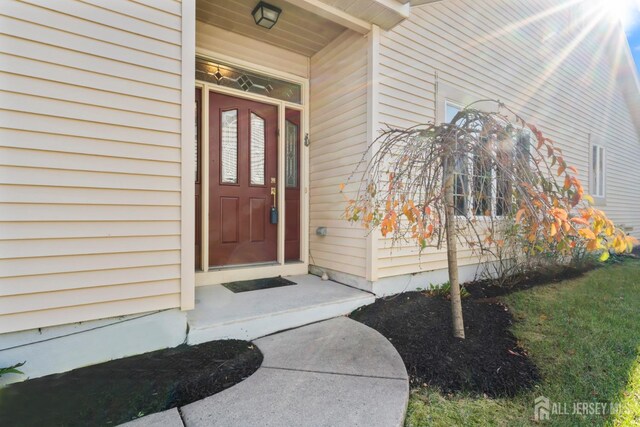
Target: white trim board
216	275
393	285
187	193
249	272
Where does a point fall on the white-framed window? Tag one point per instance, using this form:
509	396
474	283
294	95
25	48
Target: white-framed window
461	178
597	171
480	189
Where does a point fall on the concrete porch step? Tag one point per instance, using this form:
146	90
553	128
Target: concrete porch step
222	314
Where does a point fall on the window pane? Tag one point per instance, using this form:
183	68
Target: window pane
291	154
503	184
229	147
197	138
601	172
459	195
450	112
461	185
597	170
523	146
594	170
481	184
461	176
257	150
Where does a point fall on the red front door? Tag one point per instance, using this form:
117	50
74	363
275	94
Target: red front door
243	170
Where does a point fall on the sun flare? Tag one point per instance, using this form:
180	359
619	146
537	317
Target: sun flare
625	11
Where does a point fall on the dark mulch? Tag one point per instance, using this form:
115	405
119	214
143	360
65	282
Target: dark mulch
488	361
120	390
553	274
490	289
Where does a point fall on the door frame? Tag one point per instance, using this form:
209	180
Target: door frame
216	275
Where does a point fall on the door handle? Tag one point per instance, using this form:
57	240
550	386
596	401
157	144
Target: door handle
273	214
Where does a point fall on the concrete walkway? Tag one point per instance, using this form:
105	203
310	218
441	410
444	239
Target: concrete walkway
333	373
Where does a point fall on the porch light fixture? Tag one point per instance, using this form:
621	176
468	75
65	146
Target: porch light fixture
266	15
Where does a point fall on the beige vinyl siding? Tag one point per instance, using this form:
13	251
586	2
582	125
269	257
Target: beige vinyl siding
90	160
496	50
214	40
338	134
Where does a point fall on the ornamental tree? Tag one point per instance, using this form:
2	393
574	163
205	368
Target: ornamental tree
481	182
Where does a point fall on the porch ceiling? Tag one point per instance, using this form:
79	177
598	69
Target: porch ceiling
298	30
384	13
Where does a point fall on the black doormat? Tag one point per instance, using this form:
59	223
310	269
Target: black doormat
257	284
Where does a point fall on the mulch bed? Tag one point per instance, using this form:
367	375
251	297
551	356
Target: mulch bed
121	390
489	361
489	289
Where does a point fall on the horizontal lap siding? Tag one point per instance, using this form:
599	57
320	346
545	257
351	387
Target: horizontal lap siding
214	40
495	50
89	160
338	136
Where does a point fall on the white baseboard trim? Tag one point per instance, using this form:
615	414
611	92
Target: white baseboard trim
397	284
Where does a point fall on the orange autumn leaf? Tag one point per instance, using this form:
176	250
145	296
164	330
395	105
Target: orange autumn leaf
587	233
593	245
559	212
579	220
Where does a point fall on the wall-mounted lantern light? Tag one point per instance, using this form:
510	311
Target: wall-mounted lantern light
266	15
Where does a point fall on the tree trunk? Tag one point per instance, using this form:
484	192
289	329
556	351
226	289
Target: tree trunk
452	251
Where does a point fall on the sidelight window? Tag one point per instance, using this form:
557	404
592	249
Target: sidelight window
291	155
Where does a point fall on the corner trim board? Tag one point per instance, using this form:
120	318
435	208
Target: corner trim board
187	127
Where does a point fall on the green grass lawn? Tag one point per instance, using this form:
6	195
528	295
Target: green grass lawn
583	334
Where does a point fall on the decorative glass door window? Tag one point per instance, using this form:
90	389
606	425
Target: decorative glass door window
291	154
257	149
229	146
247	81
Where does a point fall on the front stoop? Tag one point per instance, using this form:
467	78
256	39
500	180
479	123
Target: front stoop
222	314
